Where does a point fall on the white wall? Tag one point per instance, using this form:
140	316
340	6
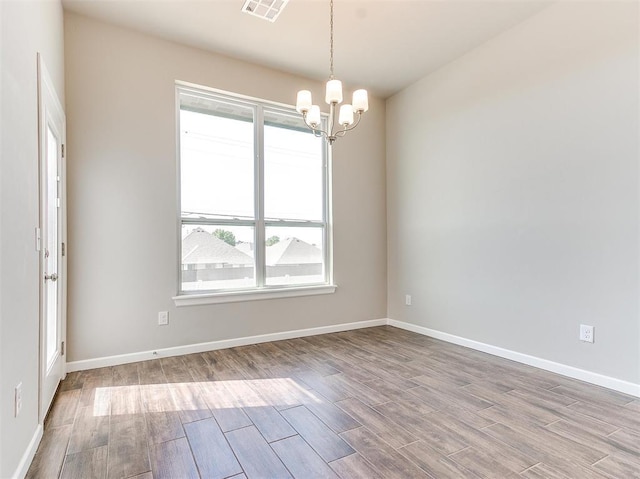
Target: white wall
122	199
26	28
512	178
2	384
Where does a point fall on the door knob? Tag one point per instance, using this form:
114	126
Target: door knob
52	277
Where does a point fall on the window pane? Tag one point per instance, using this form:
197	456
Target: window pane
216	159
294	255
293	169
217	257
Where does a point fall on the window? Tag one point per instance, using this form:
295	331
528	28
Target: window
253	197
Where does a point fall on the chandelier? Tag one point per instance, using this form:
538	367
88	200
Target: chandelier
349	115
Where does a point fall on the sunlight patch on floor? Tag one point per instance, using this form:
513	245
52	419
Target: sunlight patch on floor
191	396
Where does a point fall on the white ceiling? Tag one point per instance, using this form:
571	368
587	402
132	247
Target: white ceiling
382	45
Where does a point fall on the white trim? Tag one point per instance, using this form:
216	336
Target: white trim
213	345
51	116
29	454
563	369
251	295
258	222
185	85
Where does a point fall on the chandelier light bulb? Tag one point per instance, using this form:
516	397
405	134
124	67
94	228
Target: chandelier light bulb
303	103
360	101
313	117
346	115
334	92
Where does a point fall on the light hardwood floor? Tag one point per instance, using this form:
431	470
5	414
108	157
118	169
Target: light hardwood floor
372	403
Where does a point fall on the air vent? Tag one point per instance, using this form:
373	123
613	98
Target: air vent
266	9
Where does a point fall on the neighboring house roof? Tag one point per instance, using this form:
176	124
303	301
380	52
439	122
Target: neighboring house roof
293	251
246	248
200	247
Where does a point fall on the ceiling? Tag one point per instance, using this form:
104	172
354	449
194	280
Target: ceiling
382	45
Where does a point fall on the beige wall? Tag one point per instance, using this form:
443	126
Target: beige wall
25	28
122	199
512	179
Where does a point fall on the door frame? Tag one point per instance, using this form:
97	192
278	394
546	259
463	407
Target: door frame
49	103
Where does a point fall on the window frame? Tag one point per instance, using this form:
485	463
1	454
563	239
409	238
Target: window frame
261	290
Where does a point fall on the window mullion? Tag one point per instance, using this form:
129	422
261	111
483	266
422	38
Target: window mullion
327	264
217	222
296	224
259	198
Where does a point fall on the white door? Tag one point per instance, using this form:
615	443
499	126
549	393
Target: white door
51	241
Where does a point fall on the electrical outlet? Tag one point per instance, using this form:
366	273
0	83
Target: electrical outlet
586	333
407	300
163	318
18	400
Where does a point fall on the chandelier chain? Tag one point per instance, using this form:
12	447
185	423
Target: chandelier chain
331	77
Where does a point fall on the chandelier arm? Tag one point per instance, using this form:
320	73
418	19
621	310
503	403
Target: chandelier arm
318	132
344	130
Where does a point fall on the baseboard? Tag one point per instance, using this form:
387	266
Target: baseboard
213	345
29	454
558	368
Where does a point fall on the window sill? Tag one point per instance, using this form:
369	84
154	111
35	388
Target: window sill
255	295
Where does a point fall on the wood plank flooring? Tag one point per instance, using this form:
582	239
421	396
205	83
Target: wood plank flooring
374	403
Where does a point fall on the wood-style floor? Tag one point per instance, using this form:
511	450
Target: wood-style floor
372	403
